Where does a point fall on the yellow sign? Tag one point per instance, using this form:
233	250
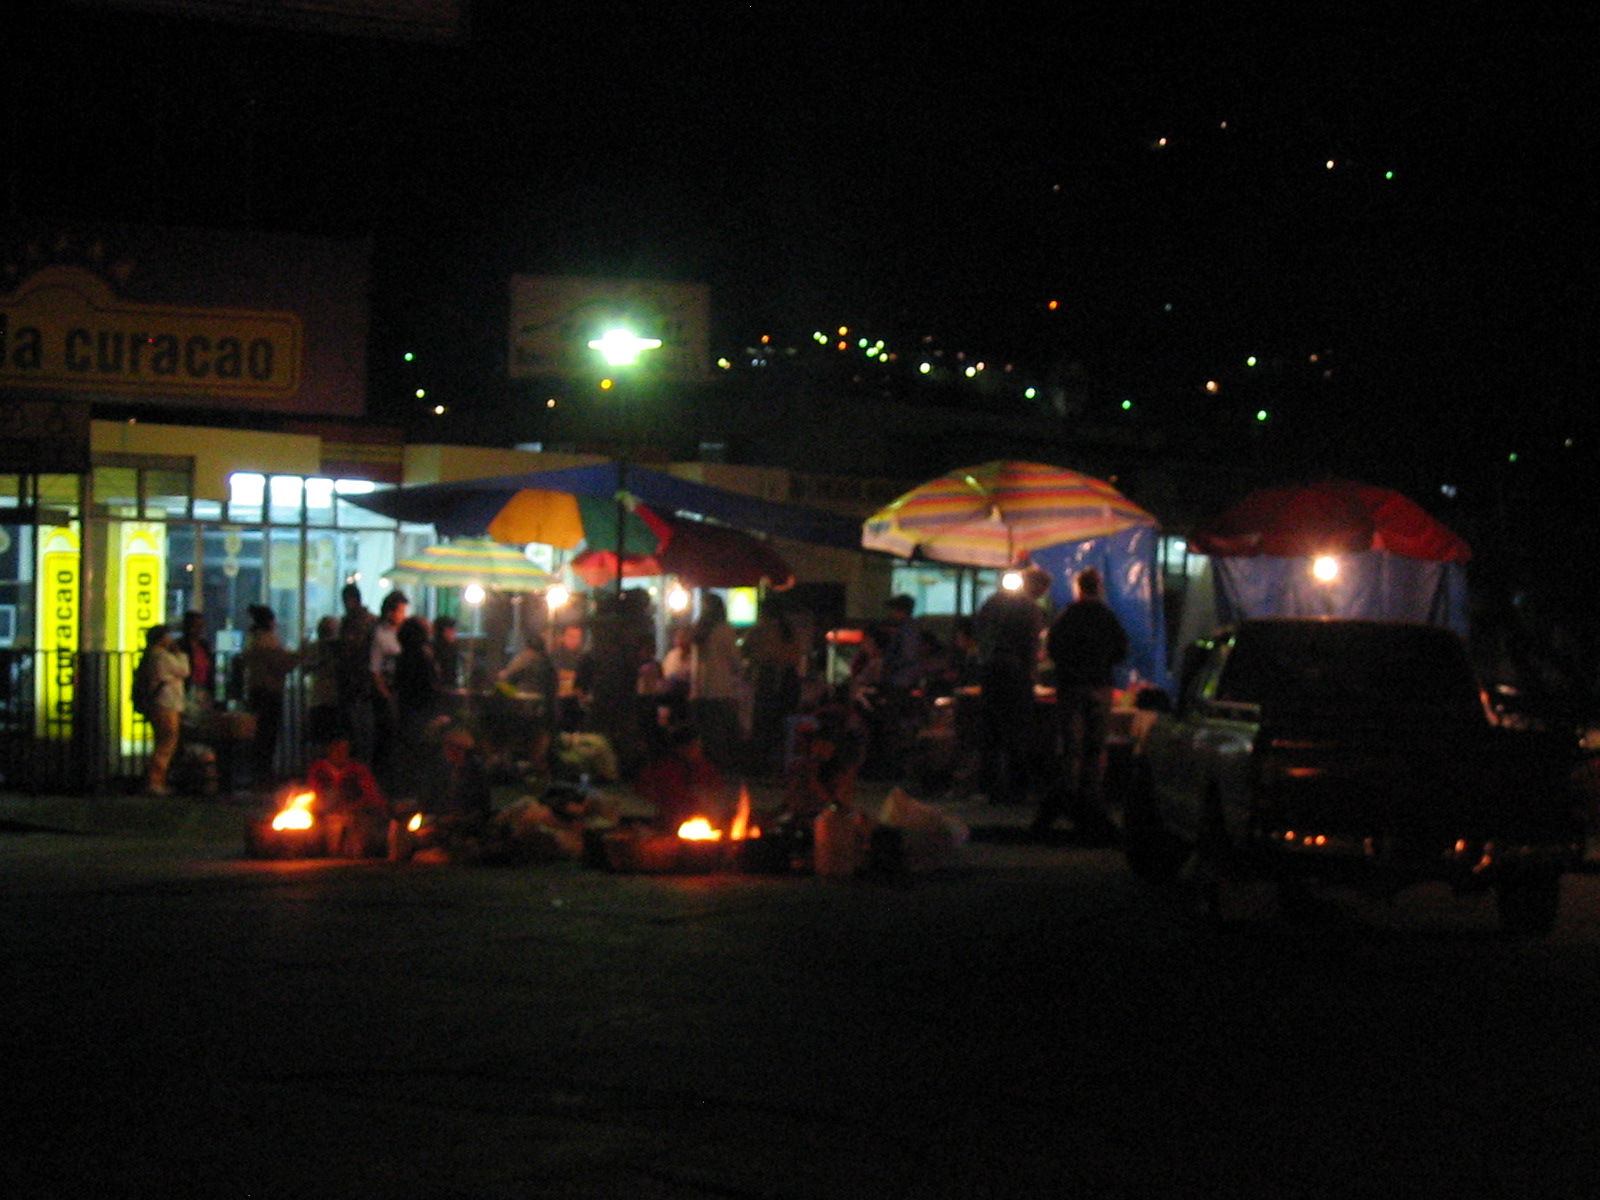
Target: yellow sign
58	599
64	328
138	574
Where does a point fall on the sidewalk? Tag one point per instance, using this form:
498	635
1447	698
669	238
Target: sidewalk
226	815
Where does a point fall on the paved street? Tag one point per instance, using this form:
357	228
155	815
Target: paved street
178	1020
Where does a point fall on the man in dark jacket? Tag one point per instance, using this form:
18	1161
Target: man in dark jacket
1085	642
1008	626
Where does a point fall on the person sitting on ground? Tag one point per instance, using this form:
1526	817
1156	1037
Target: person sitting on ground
680	780
822	771
348	799
456	789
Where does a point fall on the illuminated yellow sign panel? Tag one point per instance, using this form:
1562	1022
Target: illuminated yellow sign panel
138	586
64	328
58	599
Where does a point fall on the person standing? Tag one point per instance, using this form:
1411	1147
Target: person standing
447	651
1084	643
266	663
417	695
384	653
196	647
773	650
1008	627
715	682
355	672
158	694
904	665
322	665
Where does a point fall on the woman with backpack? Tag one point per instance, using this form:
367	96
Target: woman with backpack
158	694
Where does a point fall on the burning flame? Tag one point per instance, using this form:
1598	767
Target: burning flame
698	829
740	828
415	823
296	812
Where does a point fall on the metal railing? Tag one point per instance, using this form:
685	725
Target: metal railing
67	726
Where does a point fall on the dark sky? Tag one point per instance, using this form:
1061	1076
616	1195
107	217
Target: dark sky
907	172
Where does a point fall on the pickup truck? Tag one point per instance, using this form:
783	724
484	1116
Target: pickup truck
1355	752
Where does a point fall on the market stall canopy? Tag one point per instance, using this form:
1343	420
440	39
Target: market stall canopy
1335	548
999	513
1335	516
471	507
486	563
698	553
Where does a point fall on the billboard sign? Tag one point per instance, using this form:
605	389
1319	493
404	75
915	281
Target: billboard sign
554	320
185	318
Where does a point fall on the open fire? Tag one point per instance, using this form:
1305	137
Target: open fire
697	846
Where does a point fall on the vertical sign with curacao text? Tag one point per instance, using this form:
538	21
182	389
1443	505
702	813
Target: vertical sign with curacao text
60	571
138	570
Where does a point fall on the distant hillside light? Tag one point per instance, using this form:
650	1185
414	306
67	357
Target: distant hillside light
925	367
1261	414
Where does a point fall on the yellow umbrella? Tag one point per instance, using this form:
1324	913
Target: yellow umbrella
491	566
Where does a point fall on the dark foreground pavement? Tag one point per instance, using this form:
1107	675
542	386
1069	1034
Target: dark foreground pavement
1030	1022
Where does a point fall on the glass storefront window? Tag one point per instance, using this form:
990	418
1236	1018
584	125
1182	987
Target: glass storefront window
283	582
319	502
166	494
284	494
246	494
351	516
58	499
182	570
116	491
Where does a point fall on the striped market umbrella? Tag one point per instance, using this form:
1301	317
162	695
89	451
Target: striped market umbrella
488	564
998	513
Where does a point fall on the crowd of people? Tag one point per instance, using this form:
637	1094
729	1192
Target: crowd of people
713	706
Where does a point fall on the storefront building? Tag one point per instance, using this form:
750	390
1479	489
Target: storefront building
110	527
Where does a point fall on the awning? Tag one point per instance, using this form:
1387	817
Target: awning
466	508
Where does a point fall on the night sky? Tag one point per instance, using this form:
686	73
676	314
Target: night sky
1164	180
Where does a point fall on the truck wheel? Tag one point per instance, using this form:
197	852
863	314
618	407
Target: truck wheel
1528	904
1151	852
1215	869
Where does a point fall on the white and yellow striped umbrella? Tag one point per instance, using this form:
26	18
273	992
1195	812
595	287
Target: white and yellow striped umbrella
996	514
490	565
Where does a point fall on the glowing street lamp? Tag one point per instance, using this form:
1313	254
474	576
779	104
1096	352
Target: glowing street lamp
1325	568
622	347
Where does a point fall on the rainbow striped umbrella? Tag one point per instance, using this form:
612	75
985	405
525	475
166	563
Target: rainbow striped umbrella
996	514
491	566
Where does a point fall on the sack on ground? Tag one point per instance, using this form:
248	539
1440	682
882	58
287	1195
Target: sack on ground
931	838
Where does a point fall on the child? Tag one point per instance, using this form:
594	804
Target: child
349	800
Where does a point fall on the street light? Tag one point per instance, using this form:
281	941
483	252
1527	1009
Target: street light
622	347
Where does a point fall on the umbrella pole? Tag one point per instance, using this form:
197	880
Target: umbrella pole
622	536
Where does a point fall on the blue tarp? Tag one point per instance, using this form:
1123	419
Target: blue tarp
1127	563
1372	585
